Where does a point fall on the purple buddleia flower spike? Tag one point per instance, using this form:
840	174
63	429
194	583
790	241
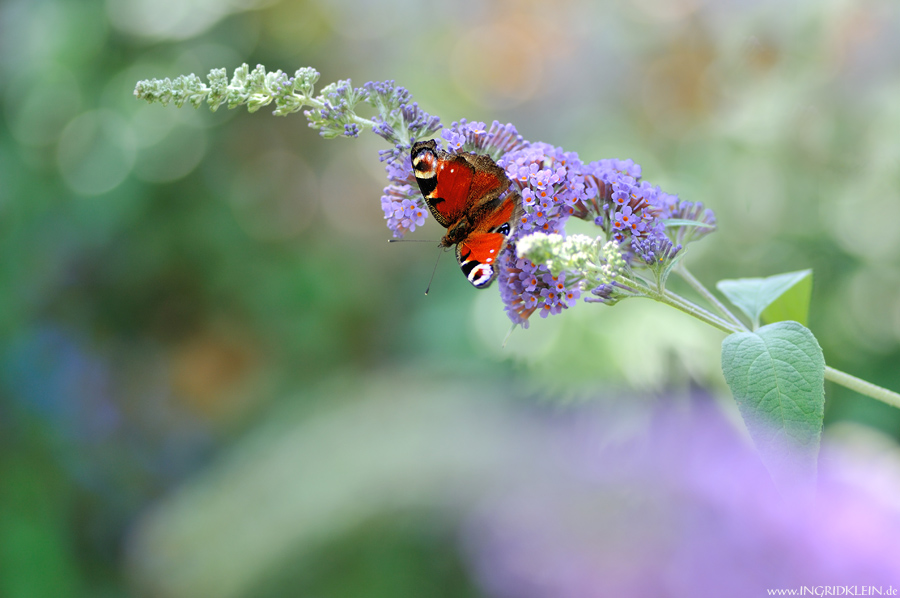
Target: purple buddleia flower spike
402	209
400	121
521	286
639	226
554	185
693	212
395	108
477	138
654	246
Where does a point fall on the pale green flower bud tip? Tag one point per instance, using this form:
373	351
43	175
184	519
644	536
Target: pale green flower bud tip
576	253
540	248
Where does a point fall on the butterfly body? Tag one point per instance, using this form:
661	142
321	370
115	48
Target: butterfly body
465	193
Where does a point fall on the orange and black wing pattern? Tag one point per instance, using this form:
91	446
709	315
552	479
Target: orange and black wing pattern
454	185
463	193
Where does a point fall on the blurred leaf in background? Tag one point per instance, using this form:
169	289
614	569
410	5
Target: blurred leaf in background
583	503
170	277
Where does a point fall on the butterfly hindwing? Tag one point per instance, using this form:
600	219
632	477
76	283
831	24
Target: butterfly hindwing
477	254
477	257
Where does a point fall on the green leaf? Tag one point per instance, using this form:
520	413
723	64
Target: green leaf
754	295
793	304
777	377
673	222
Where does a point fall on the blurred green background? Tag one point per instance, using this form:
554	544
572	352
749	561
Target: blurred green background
173	281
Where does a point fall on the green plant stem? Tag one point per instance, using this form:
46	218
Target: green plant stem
706	294
838	377
693	307
862	387
682	304
650	291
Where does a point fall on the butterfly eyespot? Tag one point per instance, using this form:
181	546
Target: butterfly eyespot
481	275
423	163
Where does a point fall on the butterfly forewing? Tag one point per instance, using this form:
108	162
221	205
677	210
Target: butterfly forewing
444	180
489	181
450	199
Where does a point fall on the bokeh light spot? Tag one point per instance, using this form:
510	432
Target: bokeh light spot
172	19
96	152
499	64
175	150
275	196
43	107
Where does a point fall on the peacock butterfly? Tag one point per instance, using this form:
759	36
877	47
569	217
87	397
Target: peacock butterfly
464	192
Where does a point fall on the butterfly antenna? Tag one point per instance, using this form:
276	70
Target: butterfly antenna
411	241
422	241
435	270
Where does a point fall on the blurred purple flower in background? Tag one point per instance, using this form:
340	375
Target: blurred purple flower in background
111	442
622	498
689	511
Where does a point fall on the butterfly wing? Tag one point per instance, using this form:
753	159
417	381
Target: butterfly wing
488	182
454	184
477	256
463	192
478	253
